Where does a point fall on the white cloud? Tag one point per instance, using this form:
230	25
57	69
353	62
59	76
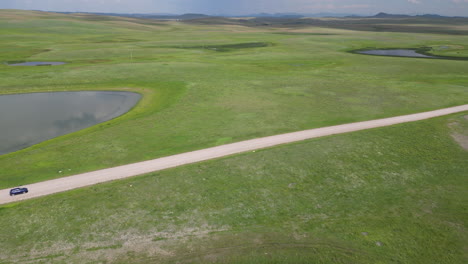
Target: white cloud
356	6
416	1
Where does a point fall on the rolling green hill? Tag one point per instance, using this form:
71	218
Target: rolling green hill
380	196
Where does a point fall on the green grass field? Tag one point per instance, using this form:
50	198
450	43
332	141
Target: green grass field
389	195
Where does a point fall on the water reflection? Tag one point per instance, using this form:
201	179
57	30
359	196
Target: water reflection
395	52
27	119
37	63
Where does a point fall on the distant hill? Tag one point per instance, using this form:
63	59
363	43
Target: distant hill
431	16
149	16
291	15
407	24
190	16
197	16
284	15
386	15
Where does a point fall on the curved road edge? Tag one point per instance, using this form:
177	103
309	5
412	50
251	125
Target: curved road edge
134	169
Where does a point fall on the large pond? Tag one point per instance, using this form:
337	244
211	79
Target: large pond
27	119
37	63
395	52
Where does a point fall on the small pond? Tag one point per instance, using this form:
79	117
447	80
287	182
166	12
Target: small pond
36	63
395	52
28	119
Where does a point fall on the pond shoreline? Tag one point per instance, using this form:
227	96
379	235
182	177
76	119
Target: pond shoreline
423	51
34	63
41	116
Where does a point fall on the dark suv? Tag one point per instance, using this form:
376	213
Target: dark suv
18	190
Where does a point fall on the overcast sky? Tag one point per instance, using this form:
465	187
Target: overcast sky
238	7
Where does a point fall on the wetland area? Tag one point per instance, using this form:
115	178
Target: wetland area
396	53
422	52
36	63
28	119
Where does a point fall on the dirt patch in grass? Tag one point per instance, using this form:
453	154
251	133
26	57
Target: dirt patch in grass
265	248
461	139
153	245
459	129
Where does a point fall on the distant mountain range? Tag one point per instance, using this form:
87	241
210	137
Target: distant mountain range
379	15
385	15
294	15
261	15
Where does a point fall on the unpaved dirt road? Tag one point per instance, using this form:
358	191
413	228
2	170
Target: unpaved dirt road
91	178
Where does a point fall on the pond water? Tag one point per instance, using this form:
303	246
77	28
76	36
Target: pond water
395	52
37	63
28	119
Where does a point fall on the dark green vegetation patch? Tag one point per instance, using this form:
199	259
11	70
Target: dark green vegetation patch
228	47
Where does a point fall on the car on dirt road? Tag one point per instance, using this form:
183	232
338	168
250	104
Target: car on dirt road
19	190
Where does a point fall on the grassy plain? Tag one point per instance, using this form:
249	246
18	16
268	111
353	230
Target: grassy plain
197	96
389	195
384	195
